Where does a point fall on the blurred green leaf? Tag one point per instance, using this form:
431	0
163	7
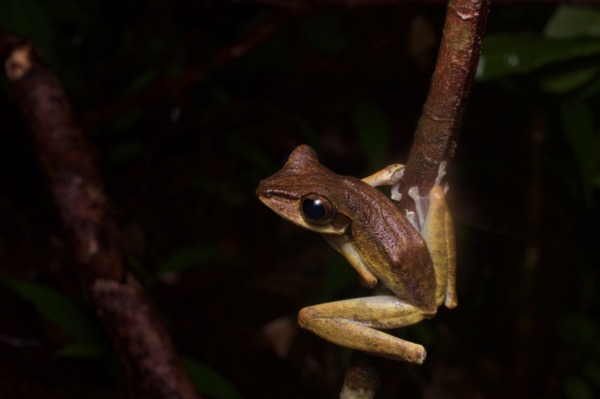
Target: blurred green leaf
210	382
573	21
577	120
140	81
580	330
124	152
325	33
506	54
373	130
590	89
592	372
569	79
85	330
188	258
577	388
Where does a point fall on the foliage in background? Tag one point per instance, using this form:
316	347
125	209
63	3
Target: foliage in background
83	329
87	335
181	171
563	61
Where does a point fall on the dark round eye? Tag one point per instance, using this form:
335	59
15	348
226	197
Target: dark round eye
287	154
316	209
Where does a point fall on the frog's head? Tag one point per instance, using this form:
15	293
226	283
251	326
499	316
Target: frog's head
306	193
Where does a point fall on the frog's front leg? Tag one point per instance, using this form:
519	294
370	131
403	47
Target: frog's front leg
386	176
354	323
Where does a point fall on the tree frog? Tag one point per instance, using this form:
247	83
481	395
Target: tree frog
408	259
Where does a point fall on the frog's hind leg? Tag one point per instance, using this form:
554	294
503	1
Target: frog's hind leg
354	324
438	232
436	227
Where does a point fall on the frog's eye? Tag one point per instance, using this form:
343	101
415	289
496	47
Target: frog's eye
316	209
287	154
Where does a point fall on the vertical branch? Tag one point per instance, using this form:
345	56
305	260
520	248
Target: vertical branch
436	134
134	326
362	377
437	130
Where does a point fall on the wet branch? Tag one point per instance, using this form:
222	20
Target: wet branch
132	323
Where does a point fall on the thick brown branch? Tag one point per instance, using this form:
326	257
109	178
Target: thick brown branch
437	130
65	156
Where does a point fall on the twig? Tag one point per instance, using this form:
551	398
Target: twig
313	5
173	86
134	326
437	131
362	377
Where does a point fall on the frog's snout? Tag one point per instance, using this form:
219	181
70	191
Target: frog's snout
261	192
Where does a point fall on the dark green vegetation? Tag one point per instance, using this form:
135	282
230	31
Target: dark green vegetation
181	163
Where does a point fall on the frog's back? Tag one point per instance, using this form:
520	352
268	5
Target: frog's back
402	261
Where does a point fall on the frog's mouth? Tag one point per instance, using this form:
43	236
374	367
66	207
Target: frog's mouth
287	206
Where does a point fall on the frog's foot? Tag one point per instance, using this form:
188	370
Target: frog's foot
417	219
412	218
355	324
441	173
395	193
397	196
388	176
422	202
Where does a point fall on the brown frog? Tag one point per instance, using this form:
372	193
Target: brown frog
408	259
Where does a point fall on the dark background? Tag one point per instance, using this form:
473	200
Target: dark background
181	164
